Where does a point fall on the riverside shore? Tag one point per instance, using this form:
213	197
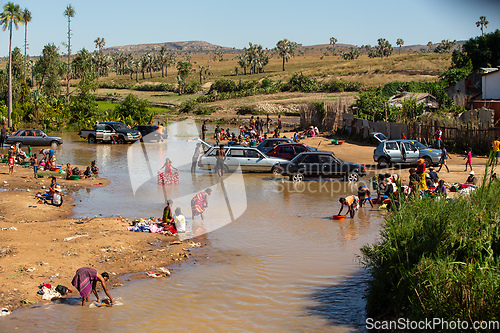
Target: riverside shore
41	243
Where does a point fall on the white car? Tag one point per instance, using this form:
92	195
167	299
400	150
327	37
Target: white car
249	159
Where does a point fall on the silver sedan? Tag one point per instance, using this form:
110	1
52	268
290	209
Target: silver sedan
249	159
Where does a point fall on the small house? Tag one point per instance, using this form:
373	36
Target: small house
428	100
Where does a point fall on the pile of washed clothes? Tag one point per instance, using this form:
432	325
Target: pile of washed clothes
146	225
50	292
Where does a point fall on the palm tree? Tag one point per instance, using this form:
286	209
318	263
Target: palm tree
333	41
26	19
482	23
69	13
11	16
285	50
400	42
429	45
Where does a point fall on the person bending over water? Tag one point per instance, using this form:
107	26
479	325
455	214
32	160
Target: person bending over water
351	202
85	280
199	203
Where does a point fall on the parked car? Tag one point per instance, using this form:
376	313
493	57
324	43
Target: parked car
404	151
107	130
289	150
150	133
270	143
249	159
33	137
320	164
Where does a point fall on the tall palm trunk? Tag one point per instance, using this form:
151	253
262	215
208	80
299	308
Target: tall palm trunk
69	58
10	77
25	47
283	64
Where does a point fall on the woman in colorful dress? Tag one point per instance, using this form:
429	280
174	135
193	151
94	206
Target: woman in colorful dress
168	176
199	203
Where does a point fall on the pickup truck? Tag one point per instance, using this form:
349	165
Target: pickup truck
110	131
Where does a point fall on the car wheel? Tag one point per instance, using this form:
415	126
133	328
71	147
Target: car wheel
120	140
297	177
277	170
91	139
427	161
352	177
383	162
54	143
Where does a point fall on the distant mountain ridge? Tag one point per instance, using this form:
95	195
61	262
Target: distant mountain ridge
193	46
201	46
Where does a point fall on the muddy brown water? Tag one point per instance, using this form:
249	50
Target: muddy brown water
276	261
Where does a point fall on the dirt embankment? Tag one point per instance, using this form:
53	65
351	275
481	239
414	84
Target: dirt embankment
40	243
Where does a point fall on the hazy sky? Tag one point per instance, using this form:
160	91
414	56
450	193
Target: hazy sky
235	23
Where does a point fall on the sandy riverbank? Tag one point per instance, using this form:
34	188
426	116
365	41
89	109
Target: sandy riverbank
41	244
43	247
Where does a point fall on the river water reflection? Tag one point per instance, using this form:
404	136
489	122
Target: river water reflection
282	265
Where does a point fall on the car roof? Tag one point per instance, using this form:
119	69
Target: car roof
321	152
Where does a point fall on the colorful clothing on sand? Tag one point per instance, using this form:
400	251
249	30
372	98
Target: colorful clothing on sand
83	280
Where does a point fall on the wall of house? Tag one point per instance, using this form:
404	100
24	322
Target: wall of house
491	105
491	85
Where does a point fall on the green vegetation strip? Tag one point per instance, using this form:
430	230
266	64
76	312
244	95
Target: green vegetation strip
438	259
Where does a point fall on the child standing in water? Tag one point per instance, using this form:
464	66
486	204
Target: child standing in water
35	166
11	162
469	159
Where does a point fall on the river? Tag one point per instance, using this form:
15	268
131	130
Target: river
275	261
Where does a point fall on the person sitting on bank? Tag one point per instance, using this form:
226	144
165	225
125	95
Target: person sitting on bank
471	179
68	171
85	280
351	202
57	199
87	173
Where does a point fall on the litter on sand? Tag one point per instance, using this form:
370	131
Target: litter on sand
154	274
4	312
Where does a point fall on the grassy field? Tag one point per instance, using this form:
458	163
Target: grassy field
365	70
369	71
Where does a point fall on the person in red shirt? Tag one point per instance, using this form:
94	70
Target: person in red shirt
11	162
403	136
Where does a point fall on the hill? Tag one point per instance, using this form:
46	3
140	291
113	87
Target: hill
193	46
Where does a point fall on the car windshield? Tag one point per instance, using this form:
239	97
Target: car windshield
418	145
119	126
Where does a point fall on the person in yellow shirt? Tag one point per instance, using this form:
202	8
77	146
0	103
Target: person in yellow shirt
496	149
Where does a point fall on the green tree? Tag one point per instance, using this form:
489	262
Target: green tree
400	42
48	71
285	50
136	109
384	47
183	70
429	45
483	22
26	19
9	18
445	46
69	13
243	62
482	51
333	41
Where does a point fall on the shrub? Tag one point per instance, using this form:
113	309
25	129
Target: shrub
438	258
188	106
155	87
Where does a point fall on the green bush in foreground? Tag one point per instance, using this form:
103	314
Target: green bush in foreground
438	259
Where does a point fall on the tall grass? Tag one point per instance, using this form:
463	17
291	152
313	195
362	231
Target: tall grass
439	259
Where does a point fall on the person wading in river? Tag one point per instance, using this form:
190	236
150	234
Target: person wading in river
85	281
220	156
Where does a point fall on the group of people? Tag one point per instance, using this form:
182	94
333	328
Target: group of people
89	171
175	222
